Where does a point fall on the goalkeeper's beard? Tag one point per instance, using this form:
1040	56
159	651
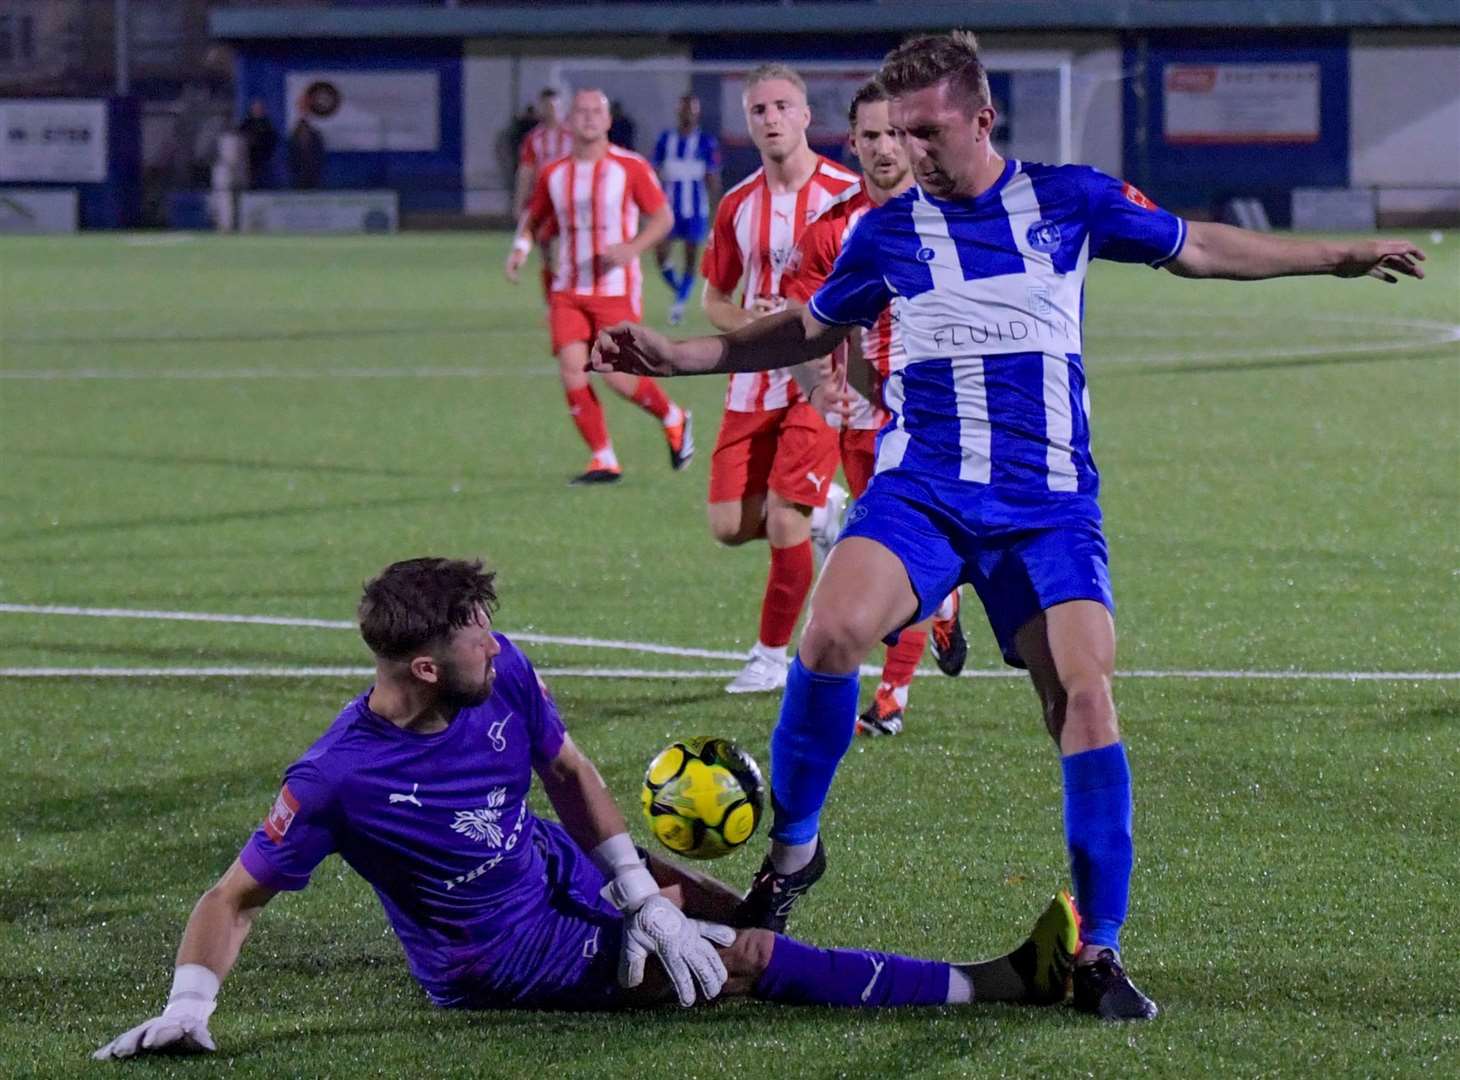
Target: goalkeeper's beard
457	691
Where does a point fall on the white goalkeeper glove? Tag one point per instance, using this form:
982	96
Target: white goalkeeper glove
685	946
183	1025
629	882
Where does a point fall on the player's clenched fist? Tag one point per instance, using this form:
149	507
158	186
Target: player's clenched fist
634	349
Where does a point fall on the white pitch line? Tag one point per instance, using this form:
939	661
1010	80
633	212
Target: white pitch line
343	624
690	673
248	374
592	643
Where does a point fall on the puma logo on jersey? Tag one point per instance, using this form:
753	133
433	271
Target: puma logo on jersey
396	797
816	481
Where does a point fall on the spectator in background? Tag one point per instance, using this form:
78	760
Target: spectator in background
621	127
262	140
306	154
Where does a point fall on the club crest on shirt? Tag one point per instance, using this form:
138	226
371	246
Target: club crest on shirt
281	815
497	733
1044	236
482	825
926	254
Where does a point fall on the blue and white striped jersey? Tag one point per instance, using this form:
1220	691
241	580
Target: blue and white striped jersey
989	295
683	162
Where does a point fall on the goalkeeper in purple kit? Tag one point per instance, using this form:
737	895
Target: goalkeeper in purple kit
421	786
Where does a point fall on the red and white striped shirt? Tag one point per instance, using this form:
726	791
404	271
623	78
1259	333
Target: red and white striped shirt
820	244
754	236
595	205
544	144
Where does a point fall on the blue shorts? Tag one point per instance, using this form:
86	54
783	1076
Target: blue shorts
690	230
933	526
566	956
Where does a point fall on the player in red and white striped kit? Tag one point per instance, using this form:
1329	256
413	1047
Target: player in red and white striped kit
549	140
592	201
874	354
771	475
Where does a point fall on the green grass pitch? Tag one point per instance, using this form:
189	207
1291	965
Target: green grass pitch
255	425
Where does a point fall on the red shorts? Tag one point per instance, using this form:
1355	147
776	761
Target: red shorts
859	458
789	451
573	317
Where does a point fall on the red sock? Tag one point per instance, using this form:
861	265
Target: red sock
650	398
587	414
902	658
785	593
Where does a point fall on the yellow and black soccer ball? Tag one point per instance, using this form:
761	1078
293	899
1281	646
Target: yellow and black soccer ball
702	797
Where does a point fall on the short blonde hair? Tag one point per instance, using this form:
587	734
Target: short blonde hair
929	60
767	72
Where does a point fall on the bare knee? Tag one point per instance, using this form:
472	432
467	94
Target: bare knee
733	524
836	639
750	955
1088	718
786	524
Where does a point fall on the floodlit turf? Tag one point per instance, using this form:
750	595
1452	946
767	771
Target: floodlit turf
1282	472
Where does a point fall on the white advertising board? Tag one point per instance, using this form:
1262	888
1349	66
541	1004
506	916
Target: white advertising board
1334	209
368	110
1241	103
57	139
318	211
38	210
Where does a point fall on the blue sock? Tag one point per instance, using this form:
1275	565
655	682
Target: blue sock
818	717
671	278
686	285
1098	832
800	974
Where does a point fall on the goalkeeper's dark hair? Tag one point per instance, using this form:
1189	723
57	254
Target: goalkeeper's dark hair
870	91
410	606
933	58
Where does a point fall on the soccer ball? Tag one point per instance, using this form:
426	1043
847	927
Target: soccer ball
702	797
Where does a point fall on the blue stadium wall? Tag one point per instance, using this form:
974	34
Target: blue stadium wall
429	181
1202	177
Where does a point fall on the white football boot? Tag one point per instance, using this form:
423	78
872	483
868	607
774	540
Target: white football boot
826	522
763	672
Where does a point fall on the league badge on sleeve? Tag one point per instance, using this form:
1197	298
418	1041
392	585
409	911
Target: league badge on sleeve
281	815
1135	195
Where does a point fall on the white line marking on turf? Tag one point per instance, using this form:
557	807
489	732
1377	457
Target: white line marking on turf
1432	333
344	624
245	374
688	673
591	643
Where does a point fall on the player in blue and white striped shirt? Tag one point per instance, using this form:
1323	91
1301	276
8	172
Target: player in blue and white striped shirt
688	160
984	474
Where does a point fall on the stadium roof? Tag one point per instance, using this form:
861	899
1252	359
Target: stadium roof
808	17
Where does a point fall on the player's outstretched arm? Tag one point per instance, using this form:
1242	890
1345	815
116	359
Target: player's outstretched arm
777	341
653	925
1213	250
215	932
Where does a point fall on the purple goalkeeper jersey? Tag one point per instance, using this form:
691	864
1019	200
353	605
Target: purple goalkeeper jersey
439	825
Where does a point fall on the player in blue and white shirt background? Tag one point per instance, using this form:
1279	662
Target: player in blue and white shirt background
688	161
984	473
421	786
